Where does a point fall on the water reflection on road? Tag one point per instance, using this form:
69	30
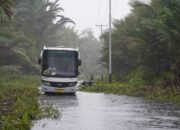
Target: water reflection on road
91	111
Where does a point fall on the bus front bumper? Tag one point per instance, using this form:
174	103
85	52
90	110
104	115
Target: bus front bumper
58	90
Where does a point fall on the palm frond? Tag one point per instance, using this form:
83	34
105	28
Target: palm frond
5	6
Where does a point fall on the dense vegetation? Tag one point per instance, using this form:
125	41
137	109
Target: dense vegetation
25	27
146	45
5	9
149	92
35	23
18	102
31	26
145	53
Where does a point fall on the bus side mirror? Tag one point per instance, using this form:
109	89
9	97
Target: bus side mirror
79	62
39	61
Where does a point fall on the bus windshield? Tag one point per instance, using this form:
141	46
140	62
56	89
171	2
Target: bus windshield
59	63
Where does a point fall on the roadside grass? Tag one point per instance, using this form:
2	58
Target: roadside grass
20	104
156	93
18	101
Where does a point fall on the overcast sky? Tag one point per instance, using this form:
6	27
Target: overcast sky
88	13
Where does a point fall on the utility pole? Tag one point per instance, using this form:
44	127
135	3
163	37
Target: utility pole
110	53
101	27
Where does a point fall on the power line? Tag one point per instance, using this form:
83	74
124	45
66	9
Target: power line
101	27
98	10
106	11
114	8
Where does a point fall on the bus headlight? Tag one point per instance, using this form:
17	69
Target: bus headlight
72	84
46	83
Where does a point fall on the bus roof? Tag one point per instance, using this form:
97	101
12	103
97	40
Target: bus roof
60	48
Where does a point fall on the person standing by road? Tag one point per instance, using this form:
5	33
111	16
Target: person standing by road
92	79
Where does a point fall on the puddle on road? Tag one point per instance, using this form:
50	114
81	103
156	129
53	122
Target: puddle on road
91	111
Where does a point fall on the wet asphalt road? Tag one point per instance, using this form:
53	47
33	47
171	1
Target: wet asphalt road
92	111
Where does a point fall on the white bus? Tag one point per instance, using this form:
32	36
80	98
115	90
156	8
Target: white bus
59	69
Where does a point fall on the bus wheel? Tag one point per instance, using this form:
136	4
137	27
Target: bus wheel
47	93
73	94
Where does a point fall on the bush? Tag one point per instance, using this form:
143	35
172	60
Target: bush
20	107
11	69
136	78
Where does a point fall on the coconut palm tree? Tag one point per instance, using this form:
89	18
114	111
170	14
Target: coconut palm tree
36	24
40	19
15	46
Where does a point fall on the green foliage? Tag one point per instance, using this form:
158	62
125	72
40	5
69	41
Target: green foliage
156	93
20	106
10	70
147	38
32	26
39	17
24	109
5	9
166	79
36	23
135	79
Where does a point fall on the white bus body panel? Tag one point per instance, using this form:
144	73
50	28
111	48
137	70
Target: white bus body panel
54	90
72	89
51	79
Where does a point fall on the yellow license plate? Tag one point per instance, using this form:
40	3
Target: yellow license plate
59	90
